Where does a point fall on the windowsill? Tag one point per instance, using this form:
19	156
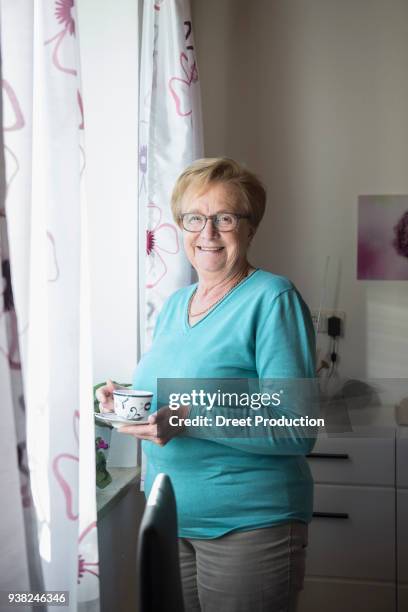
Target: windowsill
122	479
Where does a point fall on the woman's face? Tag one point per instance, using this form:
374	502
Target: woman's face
212	251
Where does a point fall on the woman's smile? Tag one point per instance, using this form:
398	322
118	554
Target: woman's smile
209	248
205	249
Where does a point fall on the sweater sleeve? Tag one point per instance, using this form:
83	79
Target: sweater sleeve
285	363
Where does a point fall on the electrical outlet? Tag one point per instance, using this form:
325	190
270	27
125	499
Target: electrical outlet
324	315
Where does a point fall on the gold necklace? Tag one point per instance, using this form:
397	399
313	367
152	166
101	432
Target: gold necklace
240	279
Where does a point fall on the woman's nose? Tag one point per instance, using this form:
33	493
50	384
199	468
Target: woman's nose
210	229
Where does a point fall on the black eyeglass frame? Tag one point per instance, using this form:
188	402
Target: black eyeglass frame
213	218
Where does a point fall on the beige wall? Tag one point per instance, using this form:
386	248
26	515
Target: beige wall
313	96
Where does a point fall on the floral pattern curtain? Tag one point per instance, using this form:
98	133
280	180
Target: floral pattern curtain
49	536
170	138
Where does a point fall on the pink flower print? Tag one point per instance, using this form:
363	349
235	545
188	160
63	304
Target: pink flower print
13	119
62	468
64	16
84	565
160	238
13	116
180	88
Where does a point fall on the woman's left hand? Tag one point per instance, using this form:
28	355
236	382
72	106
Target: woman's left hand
158	429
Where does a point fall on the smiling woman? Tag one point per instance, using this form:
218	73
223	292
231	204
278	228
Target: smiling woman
219	205
245	497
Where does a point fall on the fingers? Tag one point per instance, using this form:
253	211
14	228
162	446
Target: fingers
110	385
105	407
105	396
106	391
144	432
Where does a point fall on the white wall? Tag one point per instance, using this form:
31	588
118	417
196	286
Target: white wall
313	96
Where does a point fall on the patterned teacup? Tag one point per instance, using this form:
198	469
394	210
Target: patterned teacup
133	404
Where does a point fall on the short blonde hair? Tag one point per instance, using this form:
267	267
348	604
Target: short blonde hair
203	172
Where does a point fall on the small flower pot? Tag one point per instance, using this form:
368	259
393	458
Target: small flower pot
102	446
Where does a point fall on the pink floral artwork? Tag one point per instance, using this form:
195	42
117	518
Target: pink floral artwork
382	238
180	87
161	240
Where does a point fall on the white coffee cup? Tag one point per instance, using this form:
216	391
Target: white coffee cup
132	404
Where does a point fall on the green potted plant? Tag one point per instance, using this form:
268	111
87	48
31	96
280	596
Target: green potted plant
103	432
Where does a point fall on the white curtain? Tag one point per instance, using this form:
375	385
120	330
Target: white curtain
49	535
170	138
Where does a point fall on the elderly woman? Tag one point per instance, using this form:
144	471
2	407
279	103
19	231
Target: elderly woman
244	501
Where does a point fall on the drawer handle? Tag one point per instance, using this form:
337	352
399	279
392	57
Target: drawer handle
328	456
339	515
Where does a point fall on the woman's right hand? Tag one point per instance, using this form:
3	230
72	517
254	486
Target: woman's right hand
105	396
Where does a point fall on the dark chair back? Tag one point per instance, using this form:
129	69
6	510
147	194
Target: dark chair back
157	556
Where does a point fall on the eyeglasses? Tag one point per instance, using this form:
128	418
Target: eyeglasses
224	222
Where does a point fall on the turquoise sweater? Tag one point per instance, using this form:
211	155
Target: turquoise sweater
225	481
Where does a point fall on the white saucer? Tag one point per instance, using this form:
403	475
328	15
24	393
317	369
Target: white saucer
115	420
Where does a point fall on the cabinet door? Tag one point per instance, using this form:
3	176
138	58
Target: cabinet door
402	536
347	596
402	460
402	599
357	460
352	534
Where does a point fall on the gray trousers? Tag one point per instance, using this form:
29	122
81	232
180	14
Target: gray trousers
246	571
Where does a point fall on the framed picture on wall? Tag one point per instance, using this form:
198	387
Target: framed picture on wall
382	237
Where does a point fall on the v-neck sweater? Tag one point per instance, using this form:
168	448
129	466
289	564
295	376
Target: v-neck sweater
261	330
